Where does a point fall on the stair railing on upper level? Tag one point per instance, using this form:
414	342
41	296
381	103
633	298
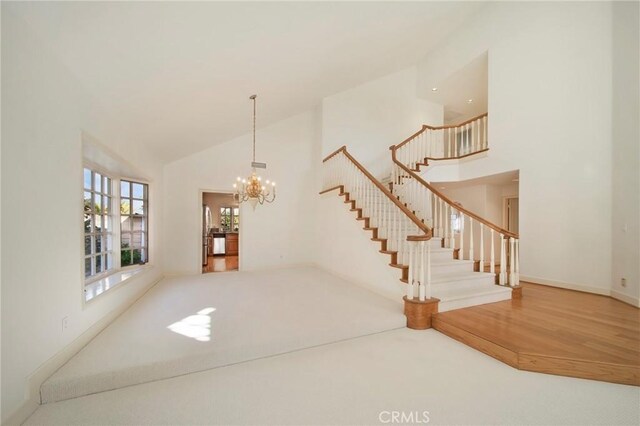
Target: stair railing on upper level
402	233
444	142
454	223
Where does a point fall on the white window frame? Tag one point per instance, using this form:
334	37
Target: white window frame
232	216
145	216
95	285
94	276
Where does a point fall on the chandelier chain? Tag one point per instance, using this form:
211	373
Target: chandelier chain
254	127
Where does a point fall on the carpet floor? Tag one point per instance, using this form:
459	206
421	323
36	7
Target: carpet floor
418	376
189	324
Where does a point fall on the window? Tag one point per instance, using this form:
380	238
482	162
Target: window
230	218
98	228
134	223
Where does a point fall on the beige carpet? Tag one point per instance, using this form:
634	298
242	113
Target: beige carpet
190	324
359	381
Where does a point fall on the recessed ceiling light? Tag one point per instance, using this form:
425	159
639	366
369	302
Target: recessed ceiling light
434	89
469	101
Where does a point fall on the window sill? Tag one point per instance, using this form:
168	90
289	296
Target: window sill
99	287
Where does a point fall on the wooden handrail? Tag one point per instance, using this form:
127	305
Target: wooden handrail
421	226
337	151
447	199
451	126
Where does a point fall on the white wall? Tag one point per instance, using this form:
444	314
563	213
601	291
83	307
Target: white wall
369	118
44	114
347	250
626	153
274	235
549	116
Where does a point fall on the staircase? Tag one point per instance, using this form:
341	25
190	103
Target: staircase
443	252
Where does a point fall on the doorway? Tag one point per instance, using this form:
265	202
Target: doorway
511	214
220	232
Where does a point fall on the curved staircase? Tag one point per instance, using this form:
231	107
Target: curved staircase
430	239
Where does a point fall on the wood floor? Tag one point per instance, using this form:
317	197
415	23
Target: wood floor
554	331
221	264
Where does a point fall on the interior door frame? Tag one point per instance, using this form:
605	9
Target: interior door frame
201	193
505	210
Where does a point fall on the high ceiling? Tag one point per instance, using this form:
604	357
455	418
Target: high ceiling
454	93
177	75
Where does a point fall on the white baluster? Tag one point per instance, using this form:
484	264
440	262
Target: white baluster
517	262
411	278
503	260
452	237
485	139
461	252
447	215
492	266
471	257
512	263
427	281
423	288
481	247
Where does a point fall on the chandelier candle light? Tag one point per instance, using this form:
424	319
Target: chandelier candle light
252	189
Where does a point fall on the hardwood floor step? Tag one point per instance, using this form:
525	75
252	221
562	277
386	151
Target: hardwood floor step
554	331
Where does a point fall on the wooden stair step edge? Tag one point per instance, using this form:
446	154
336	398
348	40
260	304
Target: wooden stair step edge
399	266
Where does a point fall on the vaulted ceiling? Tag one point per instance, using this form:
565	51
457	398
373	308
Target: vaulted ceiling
177	75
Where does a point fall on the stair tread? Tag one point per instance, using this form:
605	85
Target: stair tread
449	276
448	294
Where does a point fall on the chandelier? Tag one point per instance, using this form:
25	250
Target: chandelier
252	189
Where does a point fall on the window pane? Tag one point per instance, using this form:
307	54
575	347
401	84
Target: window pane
106	205
98	239
124	189
87	267
106	185
87	223
87	179
87	202
97	203
125	241
97	223
136	240
143	256
98	264
138	223
138	207
108	261
125	206
138	190
236	211
125	257
125	223
97	181
137	256
103	243
87	245
106	221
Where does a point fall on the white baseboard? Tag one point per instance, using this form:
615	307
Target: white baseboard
568	286
46	370
633	301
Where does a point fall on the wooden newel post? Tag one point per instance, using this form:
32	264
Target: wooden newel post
418	312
